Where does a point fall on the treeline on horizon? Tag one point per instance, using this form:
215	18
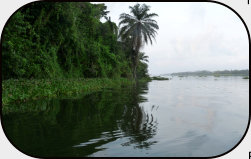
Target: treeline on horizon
213	73
65	40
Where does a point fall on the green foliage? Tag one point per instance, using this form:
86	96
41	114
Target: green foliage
137	29
142	70
22	90
63	40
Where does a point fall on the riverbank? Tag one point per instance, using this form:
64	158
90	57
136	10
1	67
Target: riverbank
159	78
22	90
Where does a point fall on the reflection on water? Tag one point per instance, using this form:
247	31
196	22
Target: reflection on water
181	117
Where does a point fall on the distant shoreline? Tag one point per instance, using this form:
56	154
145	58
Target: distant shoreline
212	73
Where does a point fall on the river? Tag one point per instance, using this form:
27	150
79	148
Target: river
188	116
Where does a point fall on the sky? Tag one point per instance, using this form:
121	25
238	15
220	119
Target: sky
192	36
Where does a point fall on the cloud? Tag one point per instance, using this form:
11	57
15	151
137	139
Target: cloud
193	36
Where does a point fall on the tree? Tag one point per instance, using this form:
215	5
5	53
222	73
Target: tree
63	40
139	28
143	57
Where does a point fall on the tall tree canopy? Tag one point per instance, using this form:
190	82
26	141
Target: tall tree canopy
139	28
64	40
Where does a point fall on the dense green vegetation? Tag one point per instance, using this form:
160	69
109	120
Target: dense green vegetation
67	40
214	73
22	90
53	48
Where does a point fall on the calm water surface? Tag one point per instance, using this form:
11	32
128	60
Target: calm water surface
189	116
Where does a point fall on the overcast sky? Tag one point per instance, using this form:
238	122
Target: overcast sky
192	36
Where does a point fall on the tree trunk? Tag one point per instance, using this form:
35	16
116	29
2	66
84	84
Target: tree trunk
135	72
135	64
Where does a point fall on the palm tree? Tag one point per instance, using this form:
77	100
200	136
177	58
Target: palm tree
143	57
139	28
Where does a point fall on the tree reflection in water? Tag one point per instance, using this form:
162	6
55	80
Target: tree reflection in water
137	123
81	127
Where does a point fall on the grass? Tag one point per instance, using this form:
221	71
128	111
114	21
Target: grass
246	77
159	78
22	90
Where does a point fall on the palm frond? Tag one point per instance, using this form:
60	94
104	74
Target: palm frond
139	26
150	15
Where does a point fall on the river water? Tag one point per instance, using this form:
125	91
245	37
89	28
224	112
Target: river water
189	116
